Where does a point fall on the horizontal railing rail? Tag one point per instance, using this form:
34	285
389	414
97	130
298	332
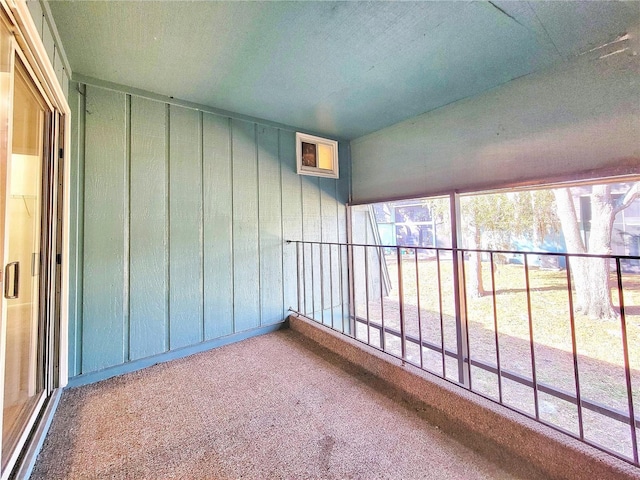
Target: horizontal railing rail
362	309
471	250
521	379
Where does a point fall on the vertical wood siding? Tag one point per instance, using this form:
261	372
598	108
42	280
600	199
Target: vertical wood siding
37	14
147	218
311	232
218	227
182	238
51	47
246	263
104	230
270	223
291	200
185	228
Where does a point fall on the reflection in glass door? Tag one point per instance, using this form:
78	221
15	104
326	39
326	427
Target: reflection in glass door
24	365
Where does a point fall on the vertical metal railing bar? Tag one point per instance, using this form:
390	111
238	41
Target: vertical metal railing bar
298	273
341	286
531	342
415	256
444	356
574	349
467	355
352	251
351	274
321	255
380	257
459	317
495	325
366	291
403	339
627	366
304	279
313	285
331	283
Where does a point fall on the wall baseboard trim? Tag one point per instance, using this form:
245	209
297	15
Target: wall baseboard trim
135	365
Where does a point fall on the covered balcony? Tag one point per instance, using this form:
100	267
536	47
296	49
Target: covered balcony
228	305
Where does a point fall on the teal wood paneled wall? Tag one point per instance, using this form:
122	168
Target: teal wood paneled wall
185	228
105	246
218	226
45	26
148	218
181	220
246	258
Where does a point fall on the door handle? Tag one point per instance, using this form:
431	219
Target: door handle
16	280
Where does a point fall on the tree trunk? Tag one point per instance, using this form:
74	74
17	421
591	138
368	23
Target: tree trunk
538	236
475	287
602	216
573	243
590	276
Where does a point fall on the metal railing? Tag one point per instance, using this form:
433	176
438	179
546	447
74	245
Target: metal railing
523	345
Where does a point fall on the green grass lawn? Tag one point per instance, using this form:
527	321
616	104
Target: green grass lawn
596	339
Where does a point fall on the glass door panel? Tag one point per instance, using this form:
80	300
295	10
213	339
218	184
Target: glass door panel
6	56
23	373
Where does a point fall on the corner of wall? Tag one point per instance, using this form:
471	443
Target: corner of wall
244	210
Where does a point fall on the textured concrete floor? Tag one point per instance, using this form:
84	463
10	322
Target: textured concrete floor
270	407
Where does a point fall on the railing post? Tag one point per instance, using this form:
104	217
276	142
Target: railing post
627	367
380	260
532	345
341	270
321	254
351	275
495	325
366	291
403	340
331	282
459	291
304	279
313	285
444	351
298	273
415	258
574	349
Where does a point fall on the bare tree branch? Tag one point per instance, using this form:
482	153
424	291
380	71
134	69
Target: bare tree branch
630	196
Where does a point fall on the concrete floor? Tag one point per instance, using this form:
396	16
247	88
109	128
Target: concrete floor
275	406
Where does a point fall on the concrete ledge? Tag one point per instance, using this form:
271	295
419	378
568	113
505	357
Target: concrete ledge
513	440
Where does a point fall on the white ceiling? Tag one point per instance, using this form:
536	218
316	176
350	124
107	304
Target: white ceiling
343	69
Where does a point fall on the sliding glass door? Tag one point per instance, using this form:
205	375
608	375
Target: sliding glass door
24	365
30	237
